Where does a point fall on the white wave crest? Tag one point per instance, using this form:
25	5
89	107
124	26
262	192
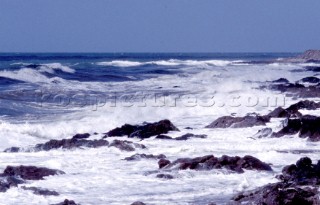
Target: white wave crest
50	67
171	62
28	75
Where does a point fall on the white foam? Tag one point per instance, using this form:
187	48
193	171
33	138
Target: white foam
171	62
90	173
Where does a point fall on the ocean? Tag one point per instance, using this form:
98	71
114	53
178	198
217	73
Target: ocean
46	96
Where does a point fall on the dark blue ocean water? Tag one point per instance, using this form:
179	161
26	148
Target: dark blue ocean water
27	79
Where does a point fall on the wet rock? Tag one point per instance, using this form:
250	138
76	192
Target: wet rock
305	104
281	80
165	176
41	191
145	156
6	182
265	132
125	145
279	194
302	173
210	162
4	186
311	79
143	131
293	110
13	149
70	144
188	128
306	126
190	135
164	137
67	202
182	137
299	185
297	90
239	122
313	68
30	172
81	136
76	142
138	203
279	112
163	162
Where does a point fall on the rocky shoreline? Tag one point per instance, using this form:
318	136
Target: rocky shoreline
298	183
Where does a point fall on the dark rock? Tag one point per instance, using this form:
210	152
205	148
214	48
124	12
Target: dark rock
313	68
163	162
41	191
125	145
4	186
70	144
305	104
306	126
76	142
183	137
188	128
145	156
165	176
239	122
311	79
297	90
293	110
30	172
125	130
209	162
265	132
6	182
164	137
138	203
66	202
13	149
279	194
143	131
299	185
281	80
283	113
302	173
190	135
81	136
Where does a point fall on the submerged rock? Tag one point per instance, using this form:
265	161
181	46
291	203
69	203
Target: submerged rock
239	122
30	172
209	162
182	137
163	162
138	203
165	176
310	79
144	156
67	202
125	145
143	131
281	80
299	185
41	191
76	142
12	176
265	132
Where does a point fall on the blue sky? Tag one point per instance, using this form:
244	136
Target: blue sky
159	25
